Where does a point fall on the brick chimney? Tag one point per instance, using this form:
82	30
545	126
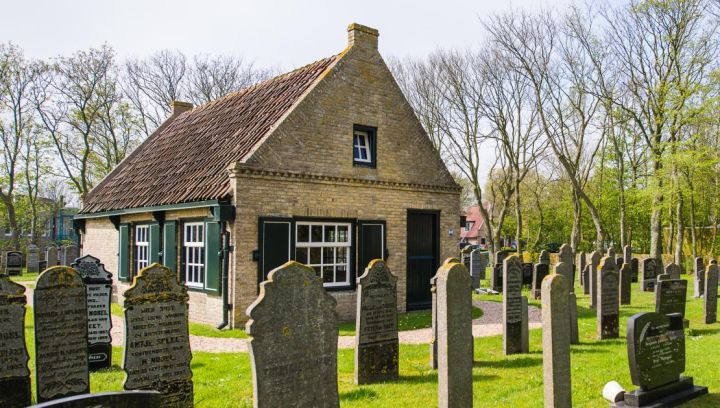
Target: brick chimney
363	37
179	107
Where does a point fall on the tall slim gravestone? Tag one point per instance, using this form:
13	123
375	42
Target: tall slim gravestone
586	278
608	303
98	284
51	255
648	274
580	264
556	335
465	256
711	294
434	337
455	342
496	281
656	356
699	279
514	331
69	254
14	372
627	254
595	258
527	276
376	337
157	341
60	334
33	259
625	284
294	334
540	271
565	268
670	295
12	264
673	270
478	263
634	268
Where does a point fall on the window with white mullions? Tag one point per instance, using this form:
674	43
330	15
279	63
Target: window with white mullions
194	248
326	248
142	246
361	147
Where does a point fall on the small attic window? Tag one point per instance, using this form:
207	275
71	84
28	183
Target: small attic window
364	146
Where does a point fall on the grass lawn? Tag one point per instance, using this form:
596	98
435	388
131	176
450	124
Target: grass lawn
224	380
25	277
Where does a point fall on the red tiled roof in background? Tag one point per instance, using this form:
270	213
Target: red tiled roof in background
472	214
187	160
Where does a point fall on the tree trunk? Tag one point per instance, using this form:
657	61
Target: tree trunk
577	213
518	216
680	237
656	217
693	236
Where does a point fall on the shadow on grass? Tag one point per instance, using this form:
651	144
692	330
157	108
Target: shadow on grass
359	394
707	400
701	332
196	365
521	362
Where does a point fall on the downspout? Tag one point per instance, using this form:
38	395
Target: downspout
226	248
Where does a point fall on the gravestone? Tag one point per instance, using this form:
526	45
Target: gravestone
670	296
98	284
619	261
527	276
540	271
157	344
608	302
51	255
625	284
586	278
123	399
478	263
69	254
699	279
496	282
544	257
648	274
12	263
634	268
33	259
293	349
574	330
556	335
465	256
455	342
581	262
627	254
60	334
611	253
711	293
565	268
565	256
433	340
500	256
673	270
376	337
656	356
595	258
14	372
514	332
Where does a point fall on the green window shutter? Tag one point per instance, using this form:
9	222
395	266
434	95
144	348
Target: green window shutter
212	257
170	245
123	247
154	247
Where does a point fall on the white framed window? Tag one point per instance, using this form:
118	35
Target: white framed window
361	147
325	247
142	246
469	225
194	248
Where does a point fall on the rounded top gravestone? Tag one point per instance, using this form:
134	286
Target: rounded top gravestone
656	348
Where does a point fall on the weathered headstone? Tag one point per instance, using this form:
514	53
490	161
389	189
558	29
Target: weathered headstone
595	258
634	268
69	254
627	254
556	341
433	340
699	279
32	263
376	336
648	274
455	342
157	342
51	255
60	334
608	302
513	328
540	271
12	263
711	294
565	268
581	262
625	284
619	261
14	372
574	330
670	296
478	263
293	349
527	276
656	356
98	284
496	281
673	270
586	278
544	257
123	399
565	256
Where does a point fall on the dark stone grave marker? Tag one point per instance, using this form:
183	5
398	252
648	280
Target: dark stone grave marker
514	331
608	302
711	294
51	255
14	372
497	278
581	262
648	274
478	263
33	259
12	264
540	271
157	343
61	334
634	268
98	283
527	277
670	296
699	279
625	284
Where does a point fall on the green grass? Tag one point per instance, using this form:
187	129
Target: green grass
420	319
225	380
25	277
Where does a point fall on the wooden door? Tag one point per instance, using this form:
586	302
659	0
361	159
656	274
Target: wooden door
422	257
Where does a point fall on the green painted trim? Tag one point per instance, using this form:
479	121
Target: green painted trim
167	207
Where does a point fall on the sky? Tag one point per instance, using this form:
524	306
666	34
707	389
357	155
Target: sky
274	34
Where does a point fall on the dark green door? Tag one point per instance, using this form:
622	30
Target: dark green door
422	257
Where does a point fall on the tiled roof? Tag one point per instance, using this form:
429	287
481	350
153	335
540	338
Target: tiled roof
187	160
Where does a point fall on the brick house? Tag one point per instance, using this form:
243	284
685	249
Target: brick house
326	165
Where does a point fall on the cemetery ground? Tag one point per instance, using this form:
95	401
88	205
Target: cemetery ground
224	379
